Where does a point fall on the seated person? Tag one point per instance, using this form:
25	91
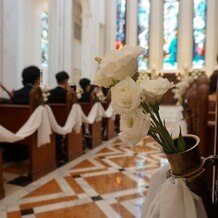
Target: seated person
31	77
58	94
86	87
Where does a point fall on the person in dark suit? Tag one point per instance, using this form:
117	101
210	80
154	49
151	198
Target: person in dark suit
58	94
31	77
86	87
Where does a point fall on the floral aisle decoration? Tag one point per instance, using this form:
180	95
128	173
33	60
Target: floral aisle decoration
137	103
180	91
138	106
45	93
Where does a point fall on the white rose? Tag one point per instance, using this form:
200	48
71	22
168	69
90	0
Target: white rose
125	96
152	90
117	64
134	126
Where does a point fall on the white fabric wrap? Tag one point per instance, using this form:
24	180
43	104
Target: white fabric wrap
37	121
171	198
43	120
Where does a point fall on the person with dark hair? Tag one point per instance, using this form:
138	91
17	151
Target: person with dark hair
86	87
31	77
58	94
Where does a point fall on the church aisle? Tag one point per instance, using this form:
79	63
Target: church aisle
109	181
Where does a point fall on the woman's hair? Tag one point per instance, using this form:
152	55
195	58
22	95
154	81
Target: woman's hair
30	75
84	83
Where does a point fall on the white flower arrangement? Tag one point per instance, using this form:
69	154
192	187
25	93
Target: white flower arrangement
45	93
181	89
137	103
79	92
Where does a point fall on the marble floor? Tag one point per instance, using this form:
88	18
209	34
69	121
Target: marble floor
109	181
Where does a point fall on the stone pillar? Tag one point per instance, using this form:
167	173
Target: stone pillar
131	27
110	17
60	38
156	37
10	77
185	35
87	34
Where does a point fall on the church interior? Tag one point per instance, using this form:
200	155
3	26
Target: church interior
97	100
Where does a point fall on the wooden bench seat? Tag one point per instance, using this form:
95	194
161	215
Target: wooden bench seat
95	128
41	159
73	140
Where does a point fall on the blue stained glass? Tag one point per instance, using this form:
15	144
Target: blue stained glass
143	21
121	24
171	11
199	32
44	38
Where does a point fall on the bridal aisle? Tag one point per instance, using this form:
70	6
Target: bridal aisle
109	181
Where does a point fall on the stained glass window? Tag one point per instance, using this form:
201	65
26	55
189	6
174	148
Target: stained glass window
143	18
199	28
44	38
170	25
121	24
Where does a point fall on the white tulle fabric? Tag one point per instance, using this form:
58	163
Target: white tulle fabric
37	121
171	198
43	120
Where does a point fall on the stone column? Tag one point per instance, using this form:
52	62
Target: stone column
185	35
156	37
110	17
131	27
10	77
86	44
60	37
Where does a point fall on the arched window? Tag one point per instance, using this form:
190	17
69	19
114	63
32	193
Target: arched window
143	26
199	33
121	24
170	26
44	39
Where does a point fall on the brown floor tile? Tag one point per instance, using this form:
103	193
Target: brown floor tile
46	202
15	214
102	162
90	210
111	183
129	161
83	164
50	187
132	196
122	211
87	171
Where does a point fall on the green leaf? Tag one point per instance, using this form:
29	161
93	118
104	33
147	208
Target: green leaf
180	142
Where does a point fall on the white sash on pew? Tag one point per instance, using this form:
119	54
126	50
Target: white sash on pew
43	120
37	121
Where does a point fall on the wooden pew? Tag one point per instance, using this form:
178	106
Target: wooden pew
41	159
73	140
95	128
2	192
109	125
